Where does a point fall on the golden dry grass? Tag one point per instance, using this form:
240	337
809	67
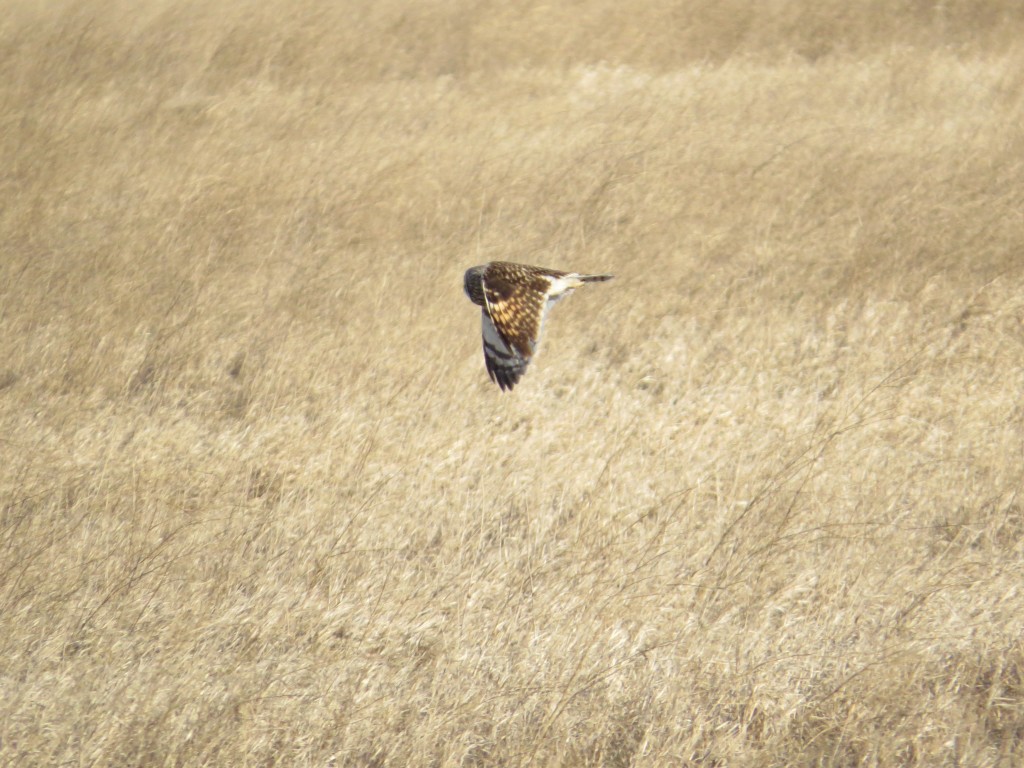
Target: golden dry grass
756	503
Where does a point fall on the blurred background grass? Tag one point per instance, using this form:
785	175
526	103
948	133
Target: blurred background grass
755	503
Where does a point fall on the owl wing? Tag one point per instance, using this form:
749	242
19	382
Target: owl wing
512	320
505	365
515	303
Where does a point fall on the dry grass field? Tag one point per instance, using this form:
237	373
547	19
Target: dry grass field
756	503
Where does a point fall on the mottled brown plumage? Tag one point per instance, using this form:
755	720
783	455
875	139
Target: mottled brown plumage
514	300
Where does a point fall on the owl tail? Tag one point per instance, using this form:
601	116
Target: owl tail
595	278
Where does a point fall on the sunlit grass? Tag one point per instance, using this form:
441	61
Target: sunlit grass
755	502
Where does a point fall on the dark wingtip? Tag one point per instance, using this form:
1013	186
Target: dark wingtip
506	379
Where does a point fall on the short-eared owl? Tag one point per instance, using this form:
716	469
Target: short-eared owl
515	299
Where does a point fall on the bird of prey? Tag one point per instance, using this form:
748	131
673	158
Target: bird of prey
514	300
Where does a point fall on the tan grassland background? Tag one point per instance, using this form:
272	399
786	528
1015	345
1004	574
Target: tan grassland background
756	503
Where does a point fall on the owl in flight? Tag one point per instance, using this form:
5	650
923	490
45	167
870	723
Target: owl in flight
515	299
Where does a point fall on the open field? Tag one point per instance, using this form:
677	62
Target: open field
756	503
